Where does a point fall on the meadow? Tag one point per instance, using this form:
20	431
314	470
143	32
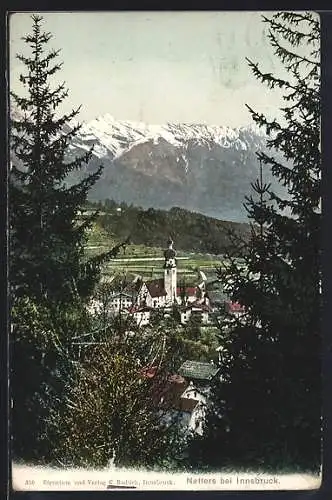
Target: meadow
147	261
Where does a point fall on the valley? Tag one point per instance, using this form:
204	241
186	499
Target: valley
196	237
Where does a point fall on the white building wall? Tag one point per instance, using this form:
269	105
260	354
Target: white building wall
197	419
142	318
143	294
197	416
157	301
185	316
145	298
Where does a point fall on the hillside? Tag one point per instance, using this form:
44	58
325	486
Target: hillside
192	232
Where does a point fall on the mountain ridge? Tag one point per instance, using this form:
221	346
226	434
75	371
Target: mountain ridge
199	167
110	134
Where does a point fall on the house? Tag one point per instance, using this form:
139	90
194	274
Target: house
113	303
234	308
198	398
152	294
119	301
200	373
141	314
176	400
186	395
183	404
187	294
201	311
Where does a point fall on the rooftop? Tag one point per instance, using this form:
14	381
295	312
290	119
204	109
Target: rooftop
156	288
198	370
234	306
196	307
171	396
121	294
138	309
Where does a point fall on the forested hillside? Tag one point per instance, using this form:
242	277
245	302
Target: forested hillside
191	231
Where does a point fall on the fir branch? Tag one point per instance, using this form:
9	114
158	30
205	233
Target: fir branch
268	78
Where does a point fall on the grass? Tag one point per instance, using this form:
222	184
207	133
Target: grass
99	241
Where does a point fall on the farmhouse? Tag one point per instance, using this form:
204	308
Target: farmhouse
201	311
186	394
119	301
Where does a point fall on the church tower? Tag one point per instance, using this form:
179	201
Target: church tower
170	271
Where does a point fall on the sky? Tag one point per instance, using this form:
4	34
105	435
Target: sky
157	67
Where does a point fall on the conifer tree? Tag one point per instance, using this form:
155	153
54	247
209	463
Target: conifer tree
47	231
266	409
50	277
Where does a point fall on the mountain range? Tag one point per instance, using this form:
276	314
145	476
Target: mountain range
202	168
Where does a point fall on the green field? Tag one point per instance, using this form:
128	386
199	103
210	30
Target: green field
147	262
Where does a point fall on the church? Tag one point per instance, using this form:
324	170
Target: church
165	292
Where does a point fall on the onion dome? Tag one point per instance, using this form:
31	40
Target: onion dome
170	253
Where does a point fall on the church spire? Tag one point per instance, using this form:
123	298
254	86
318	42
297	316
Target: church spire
170	254
170	272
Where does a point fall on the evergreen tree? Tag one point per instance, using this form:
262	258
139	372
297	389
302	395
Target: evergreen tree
47	231
267	407
50	277
42	373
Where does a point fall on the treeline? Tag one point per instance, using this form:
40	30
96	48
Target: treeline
191	231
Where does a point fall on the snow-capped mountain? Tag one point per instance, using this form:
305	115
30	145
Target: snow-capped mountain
204	168
200	167
112	137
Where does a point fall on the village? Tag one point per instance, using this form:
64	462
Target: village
143	298
185	395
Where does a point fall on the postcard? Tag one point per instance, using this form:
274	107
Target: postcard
165	280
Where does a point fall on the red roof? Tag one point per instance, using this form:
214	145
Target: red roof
235	307
156	288
171	395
